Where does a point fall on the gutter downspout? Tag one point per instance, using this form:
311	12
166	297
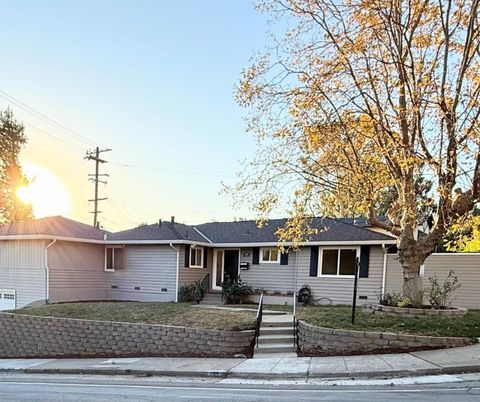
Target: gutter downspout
47	271
384	273
178	268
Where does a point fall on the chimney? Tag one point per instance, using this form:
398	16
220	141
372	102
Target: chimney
159	222
172	220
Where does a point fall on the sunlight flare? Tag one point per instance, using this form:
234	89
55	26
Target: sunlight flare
45	192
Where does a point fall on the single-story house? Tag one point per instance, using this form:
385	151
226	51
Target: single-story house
57	259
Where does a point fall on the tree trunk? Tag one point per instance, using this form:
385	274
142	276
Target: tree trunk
412	285
412	256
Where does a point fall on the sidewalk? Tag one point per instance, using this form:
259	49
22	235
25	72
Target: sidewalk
446	361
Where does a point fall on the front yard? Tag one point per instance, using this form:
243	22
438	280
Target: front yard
179	314
339	318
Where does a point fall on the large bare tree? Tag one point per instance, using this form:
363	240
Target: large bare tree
357	96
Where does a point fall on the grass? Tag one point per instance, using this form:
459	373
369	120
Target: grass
339	317
179	314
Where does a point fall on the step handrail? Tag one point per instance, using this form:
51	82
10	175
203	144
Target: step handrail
258	321
294	318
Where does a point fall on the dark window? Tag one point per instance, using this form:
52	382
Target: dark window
329	262
118	258
339	262
196	257
348	260
113	258
109	263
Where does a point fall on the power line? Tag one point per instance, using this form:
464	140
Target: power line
170	170
39	115
95	178
54	136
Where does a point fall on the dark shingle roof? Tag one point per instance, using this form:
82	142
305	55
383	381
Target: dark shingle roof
53	226
248	232
333	230
361	221
166	231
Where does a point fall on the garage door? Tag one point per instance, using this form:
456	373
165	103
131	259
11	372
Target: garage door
7	299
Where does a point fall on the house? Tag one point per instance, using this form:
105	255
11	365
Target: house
57	259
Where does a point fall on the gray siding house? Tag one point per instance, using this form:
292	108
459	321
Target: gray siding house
56	259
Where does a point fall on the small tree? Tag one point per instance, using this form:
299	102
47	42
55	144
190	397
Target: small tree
360	96
12	139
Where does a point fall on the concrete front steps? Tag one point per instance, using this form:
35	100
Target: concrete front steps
212	299
276	337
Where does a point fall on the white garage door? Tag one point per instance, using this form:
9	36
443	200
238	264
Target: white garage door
7	299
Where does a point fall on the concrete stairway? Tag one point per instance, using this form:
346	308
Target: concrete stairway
276	337
212	299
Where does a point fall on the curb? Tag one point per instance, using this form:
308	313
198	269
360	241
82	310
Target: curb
222	374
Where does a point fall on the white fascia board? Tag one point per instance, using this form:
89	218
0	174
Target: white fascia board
194	243
311	243
197	243
104	242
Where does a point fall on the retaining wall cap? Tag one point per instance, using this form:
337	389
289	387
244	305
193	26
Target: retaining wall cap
135	324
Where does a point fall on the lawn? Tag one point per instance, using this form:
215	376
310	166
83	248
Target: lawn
180	314
339	317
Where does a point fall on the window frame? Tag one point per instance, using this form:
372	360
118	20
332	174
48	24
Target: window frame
105	268
202	251
262	261
337	275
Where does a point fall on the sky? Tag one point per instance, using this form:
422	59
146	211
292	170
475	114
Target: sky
152	80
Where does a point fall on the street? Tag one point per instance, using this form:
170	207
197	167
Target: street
94	388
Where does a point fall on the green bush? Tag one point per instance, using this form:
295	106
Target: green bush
389	299
405	302
192	292
440	296
235	291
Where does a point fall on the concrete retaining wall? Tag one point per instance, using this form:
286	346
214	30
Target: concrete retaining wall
319	341
24	336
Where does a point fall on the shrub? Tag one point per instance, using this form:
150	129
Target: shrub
185	293
439	296
192	292
389	299
235	291
405	302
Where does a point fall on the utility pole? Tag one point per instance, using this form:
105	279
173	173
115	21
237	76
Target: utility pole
95	178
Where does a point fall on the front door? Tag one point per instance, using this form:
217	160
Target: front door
217	274
230	260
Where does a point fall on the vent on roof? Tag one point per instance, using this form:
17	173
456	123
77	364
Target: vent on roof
159	222
172	220
247	232
186	235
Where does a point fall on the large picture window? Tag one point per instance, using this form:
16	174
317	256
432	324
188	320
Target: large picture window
338	262
196	257
113	258
269	255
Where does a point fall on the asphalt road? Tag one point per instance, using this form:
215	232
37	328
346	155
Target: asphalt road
91	389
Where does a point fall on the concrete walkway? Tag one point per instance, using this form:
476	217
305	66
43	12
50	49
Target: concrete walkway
447	361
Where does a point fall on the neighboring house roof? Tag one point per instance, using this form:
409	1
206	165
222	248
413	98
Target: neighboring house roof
329	230
52	226
167	231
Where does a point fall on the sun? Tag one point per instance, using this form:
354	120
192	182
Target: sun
45	192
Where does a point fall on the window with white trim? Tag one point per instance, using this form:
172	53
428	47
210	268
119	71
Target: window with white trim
196	257
269	255
113	258
338	262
